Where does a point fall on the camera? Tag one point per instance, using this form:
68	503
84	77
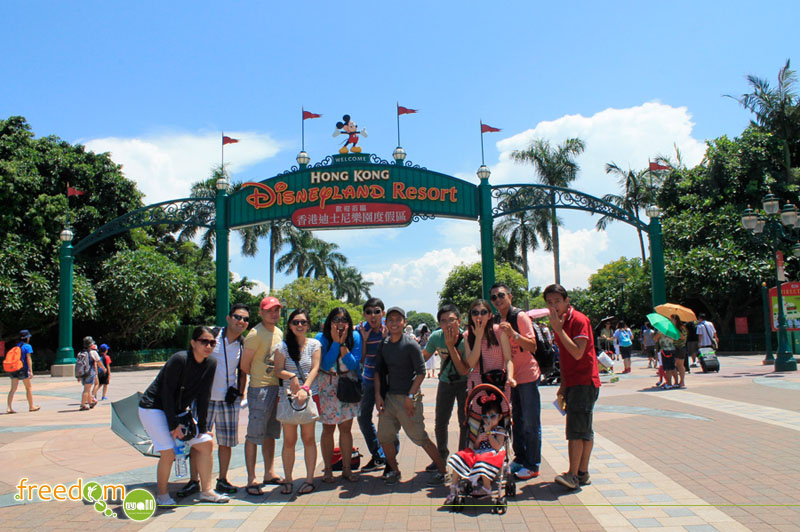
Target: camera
231	395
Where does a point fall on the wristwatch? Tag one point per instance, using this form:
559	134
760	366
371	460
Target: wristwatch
412	396
516	336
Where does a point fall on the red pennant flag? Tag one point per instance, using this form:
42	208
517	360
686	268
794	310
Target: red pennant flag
228	140
405	110
71	191
488	129
309	114
655	166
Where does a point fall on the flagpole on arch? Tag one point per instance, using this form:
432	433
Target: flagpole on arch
483	162
302	129
398	122
222	154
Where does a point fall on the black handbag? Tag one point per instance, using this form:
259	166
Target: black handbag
186	418
348	390
495	377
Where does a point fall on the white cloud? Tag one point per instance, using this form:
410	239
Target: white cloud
165	166
416	283
627	137
579	253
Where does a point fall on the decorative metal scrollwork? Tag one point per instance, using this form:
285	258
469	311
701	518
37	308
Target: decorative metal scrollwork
327	161
186	211
418	217
516	198
374	159
291	170
415	166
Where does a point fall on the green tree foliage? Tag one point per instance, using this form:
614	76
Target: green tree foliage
33	183
631	300
316	296
415	319
636	193
144	294
464	285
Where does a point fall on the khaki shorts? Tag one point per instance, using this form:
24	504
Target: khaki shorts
262	404
395	416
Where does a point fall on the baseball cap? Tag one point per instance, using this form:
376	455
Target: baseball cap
88	342
270	302
396	309
24	333
103	347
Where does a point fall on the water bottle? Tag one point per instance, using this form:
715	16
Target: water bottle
181	452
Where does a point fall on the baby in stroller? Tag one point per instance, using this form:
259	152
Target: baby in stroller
484	460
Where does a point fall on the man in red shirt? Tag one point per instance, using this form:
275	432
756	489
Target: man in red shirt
580	381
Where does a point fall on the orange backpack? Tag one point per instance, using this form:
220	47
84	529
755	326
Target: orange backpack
13	360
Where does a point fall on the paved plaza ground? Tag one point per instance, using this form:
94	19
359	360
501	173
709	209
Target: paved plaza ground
722	454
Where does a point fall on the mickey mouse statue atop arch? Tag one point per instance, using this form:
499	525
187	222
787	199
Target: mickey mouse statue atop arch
347	127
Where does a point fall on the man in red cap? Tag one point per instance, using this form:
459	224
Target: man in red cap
262	394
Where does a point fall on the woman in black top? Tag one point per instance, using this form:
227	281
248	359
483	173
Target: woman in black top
185	378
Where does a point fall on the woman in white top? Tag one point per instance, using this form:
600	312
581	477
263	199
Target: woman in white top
296	356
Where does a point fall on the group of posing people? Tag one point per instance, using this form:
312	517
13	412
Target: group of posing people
293	373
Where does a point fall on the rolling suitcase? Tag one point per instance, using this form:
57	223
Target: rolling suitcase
708	360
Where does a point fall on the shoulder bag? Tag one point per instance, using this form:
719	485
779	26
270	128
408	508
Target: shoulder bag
290	412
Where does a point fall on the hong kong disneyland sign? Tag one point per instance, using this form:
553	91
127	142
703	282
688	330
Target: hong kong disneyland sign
351	191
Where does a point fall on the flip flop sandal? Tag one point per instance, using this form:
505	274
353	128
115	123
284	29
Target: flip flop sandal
36	408
306	488
327	477
274	481
9	411
254	489
287	487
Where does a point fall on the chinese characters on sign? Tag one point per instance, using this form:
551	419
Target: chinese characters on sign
352	215
791	304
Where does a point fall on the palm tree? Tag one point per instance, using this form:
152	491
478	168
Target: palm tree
555	167
301	247
504	253
635	195
776	109
522	231
349	283
324	258
278	234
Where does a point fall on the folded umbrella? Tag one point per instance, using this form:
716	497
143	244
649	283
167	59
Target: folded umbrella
683	313
126	424
664	325
538	313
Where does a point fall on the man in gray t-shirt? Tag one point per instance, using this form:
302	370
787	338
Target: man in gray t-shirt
400	370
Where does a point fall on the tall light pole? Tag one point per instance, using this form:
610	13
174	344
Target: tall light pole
621	282
776	229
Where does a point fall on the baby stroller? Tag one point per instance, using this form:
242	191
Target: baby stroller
503	485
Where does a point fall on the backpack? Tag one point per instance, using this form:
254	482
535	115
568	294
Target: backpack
544	354
13	360
82	365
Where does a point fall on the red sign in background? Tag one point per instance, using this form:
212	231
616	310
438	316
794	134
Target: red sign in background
741	325
351	215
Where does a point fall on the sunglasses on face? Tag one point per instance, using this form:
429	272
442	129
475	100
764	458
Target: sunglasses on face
372	311
448	321
239	317
489	417
339	319
481	312
299	323
206	342
498	295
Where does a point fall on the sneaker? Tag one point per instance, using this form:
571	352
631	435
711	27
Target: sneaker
223	486
526	474
386	471
214	497
436	479
375	463
568	481
515	467
391	477
431	467
190	487
165	500
693	365
584	479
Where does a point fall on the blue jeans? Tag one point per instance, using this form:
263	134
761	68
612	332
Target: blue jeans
365	420
526	410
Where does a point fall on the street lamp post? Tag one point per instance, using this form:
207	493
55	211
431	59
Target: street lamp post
621	282
64	364
777	230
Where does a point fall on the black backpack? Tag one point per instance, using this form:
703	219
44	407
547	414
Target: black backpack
544	354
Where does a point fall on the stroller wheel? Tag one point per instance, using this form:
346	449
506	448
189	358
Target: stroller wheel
502	506
458	504
511	488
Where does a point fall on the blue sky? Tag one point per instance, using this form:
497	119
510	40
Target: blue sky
155	83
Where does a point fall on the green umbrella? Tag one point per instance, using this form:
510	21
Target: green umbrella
664	325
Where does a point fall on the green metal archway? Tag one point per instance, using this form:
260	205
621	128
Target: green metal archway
393	194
